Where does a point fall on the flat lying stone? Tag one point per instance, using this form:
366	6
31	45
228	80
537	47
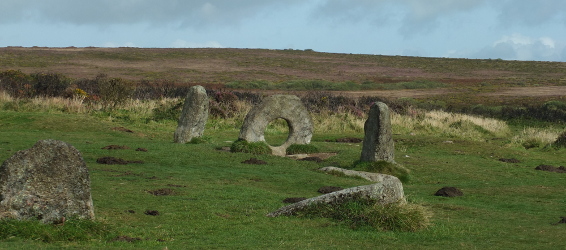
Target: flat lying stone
385	192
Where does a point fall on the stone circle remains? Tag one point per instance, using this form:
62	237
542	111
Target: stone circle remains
48	182
194	115
378	142
287	107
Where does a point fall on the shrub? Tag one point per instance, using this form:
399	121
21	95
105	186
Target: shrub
16	83
170	110
360	213
244	146
302	149
384	167
200	140
560	141
50	84
114	91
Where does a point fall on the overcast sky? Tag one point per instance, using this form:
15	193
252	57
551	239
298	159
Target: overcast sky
506	29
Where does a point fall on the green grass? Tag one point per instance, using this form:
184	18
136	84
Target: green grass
219	202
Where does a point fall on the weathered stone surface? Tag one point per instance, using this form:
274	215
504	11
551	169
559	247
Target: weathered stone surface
288	107
375	177
49	181
378	142
194	116
385	192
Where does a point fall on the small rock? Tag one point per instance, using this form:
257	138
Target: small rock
141	149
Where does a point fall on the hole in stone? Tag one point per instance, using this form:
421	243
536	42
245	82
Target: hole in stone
277	132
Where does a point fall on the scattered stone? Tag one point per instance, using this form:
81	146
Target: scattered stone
294	199
162	192
288	107
254	161
375	177
151	212
122	129
378	141
386	192
48	182
510	160
312	158
141	149
550	168
346	140
115	147
125	239
328	189
109	160
193	118
449	192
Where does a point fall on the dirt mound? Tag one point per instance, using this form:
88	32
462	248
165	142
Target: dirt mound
151	212
116	147
109	160
449	192
122	129
562	221
294	199
329	189
141	149
550	168
346	140
162	192
311	158
254	161
510	160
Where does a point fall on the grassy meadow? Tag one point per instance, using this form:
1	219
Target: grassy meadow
211	200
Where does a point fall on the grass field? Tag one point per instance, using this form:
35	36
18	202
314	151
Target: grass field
216	201
208	199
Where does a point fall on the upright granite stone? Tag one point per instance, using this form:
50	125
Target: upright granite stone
49	182
378	142
195	113
288	107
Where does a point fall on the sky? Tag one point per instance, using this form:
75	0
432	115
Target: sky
528	30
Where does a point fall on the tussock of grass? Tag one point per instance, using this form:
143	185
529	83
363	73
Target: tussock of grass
72	230
384	167
302	149
363	213
244	146
535	138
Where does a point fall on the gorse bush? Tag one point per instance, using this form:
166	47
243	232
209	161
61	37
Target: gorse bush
50	84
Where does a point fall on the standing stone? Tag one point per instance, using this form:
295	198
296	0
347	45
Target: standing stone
378	143
195	113
49	182
288	107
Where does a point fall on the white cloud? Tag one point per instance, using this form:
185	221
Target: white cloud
185	44
521	47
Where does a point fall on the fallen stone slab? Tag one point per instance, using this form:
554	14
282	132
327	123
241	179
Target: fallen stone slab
375	177
388	191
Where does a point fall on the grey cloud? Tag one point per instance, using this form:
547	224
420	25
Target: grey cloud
530	12
413	16
104	12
